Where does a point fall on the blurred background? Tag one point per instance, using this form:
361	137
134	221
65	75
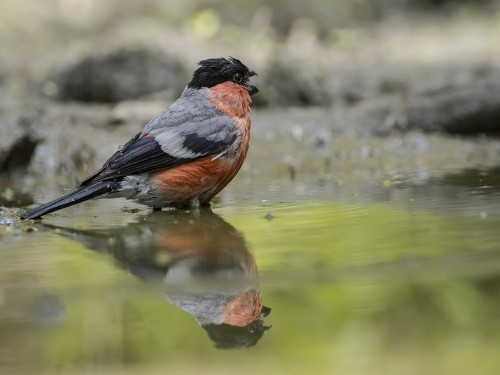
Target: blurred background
322	53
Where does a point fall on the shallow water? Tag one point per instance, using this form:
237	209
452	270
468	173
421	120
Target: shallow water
359	278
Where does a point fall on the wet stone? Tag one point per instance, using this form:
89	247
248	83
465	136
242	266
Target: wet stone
19	154
120	75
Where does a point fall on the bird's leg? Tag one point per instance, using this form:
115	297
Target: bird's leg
195	207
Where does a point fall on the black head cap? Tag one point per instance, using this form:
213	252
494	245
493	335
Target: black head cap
218	70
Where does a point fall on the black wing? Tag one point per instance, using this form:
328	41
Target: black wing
146	154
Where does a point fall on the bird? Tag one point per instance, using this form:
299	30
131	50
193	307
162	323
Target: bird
186	154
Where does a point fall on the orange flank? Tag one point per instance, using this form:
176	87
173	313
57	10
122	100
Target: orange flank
201	179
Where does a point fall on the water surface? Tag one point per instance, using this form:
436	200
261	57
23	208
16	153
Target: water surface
393	278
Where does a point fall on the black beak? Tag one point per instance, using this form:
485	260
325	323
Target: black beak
265	311
252	90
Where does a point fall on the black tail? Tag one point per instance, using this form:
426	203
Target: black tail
79	195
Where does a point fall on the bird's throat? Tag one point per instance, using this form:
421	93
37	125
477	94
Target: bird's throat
231	99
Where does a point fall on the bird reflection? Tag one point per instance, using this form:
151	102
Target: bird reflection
202	263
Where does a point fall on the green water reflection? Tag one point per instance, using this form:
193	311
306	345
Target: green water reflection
198	262
354	289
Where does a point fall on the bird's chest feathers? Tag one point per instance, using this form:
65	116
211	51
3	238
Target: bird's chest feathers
231	99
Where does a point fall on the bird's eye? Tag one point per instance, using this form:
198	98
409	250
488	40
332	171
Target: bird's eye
238	78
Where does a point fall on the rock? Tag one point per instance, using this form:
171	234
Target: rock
19	154
293	83
467	110
120	75
14	197
16	157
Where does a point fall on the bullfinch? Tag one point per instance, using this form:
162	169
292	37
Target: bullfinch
187	153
